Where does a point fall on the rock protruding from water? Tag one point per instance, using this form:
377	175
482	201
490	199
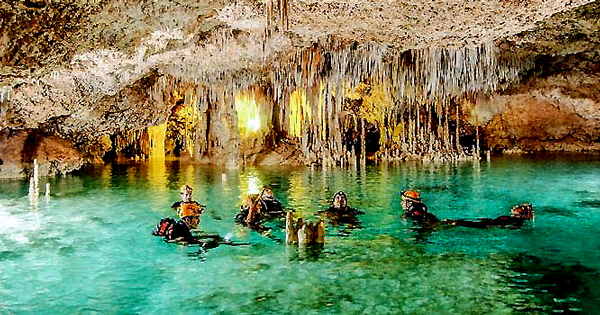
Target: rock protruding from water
299	232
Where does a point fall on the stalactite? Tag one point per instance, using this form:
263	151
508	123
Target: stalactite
429	127
418	80
363	142
447	143
457	133
233	136
477	154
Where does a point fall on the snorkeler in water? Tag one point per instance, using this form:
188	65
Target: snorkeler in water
519	214
340	212
188	210
179	232
255	208
417	210
173	230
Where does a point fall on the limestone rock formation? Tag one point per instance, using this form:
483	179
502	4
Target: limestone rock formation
19	149
555	106
298	82
302	232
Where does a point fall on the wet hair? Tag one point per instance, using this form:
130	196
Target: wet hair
340	199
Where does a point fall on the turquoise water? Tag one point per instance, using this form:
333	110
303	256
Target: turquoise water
87	248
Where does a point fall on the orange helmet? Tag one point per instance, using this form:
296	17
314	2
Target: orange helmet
524	211
411	194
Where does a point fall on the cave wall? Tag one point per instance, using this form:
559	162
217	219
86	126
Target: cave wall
440	81
19	149
555	105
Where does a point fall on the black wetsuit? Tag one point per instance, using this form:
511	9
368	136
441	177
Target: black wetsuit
344	217
417	211
269	208
344	211
341	214
501	221
172	230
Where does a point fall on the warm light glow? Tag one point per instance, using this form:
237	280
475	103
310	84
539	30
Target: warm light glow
254	123
253	184
249	122
182	126
157	141
299	112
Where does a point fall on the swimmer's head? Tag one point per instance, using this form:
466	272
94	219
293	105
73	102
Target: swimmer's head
340	199
408	197
267	193
185	192
524	211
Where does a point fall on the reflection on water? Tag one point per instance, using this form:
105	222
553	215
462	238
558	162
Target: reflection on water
87	248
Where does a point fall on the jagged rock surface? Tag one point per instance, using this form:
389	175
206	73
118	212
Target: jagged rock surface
55	156
556	105
524	71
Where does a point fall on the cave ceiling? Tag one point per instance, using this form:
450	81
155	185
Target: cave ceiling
61	59
130	37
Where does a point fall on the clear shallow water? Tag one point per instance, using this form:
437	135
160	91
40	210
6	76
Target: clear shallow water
88	248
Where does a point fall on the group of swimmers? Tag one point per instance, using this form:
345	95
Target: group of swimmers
264	206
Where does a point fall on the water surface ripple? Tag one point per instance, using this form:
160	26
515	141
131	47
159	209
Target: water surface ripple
87	248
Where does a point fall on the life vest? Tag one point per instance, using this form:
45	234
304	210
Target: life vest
163	226
171	229
188	210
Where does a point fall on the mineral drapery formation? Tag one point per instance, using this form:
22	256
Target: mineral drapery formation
293	82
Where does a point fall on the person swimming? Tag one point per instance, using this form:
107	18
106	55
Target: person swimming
339	211
258	207
173	230
417	210
179	232
519	214
188	210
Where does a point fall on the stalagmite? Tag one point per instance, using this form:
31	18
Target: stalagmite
291	228
298	231
34	180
